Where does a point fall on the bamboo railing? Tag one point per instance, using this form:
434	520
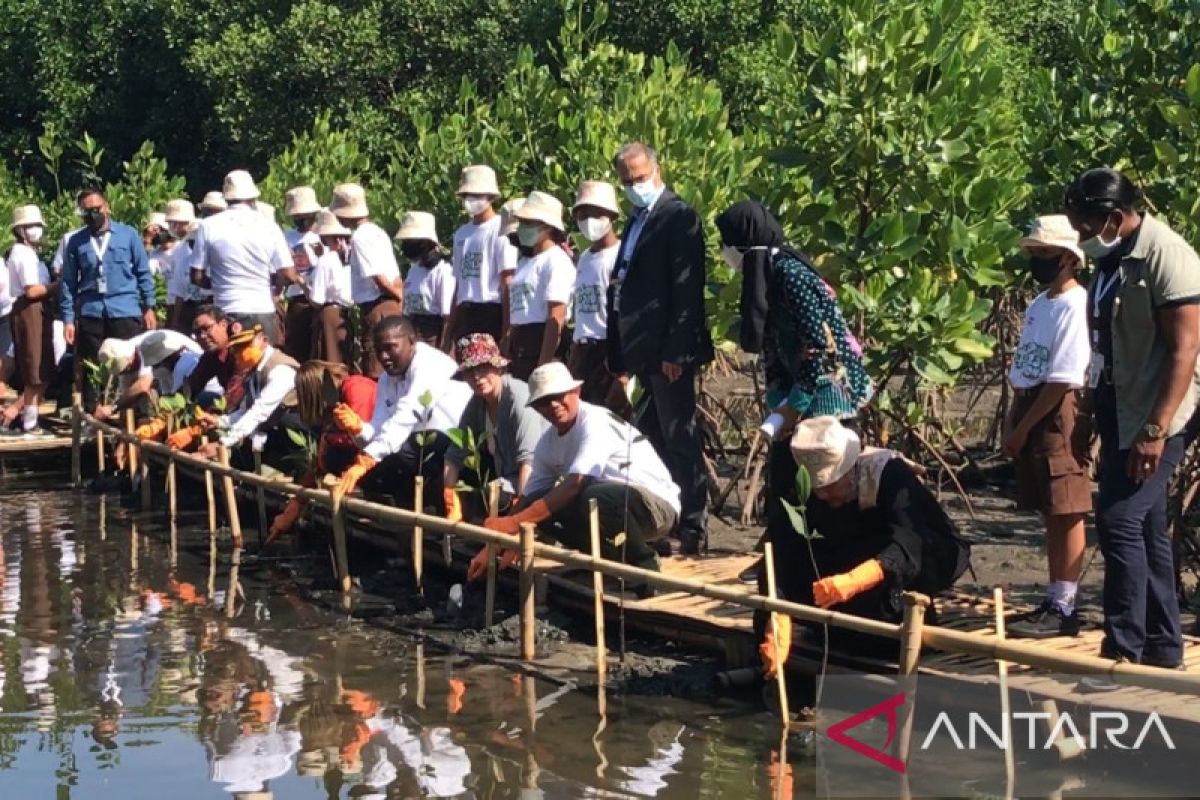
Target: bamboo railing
911	636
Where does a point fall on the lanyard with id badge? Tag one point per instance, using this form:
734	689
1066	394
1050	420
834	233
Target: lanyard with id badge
1104	286
100	247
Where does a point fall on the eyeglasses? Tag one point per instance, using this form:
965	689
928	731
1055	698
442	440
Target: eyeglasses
199	329
546	402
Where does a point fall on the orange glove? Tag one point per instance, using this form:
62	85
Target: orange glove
363	464
453	505
151	429
840	588
779	630
360	703
454	698
346	419
286	519
183	438
478	566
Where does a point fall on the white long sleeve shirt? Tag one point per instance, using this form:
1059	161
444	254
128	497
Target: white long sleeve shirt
264	394
399	412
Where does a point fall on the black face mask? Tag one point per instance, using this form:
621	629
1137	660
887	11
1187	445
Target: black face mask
163	237
415	250
93	218
1045	270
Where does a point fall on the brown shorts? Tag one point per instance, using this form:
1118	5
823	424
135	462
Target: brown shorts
32	324
1051	477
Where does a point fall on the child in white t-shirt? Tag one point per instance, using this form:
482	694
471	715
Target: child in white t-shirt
481	255
1044	426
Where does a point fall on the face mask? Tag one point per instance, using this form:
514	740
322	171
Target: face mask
249	356
1097	247
33	234
1045	270
735	256
474	206
414	251
642	193
93	218
528	235
595	228
163	237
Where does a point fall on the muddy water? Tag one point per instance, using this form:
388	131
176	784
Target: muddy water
128	669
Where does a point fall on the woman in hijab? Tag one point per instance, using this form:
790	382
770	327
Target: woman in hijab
813	364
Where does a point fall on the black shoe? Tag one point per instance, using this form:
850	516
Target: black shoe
1171	663
662	546
689	543
749	575
1047	624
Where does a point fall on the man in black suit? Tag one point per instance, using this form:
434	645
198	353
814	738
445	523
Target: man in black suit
657	328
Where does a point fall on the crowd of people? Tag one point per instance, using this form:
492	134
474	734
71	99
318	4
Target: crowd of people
507	357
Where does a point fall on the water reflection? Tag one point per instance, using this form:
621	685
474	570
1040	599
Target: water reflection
133	656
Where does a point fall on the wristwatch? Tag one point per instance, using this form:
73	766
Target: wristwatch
1154	432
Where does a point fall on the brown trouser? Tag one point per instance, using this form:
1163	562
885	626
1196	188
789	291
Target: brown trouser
477	318
330	336
372	313
33	340
429	328
524	348
298	324
587	362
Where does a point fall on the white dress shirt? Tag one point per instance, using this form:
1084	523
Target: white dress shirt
399	412
180	286
264	394
307	243
331	282
371	256
241	250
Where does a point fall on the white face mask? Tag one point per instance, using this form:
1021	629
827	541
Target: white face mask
474	206
1098	247
595	228
528	235
734	256
642	193
33	234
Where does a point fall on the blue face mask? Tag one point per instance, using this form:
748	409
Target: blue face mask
642	193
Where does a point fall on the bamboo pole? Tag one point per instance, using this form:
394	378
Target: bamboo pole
418	534
911	632
172	489
1010	767
420	675
598	594
945	639
76	440
338	515
100	451
132	458
260	498
137	465
489	598
231	594
780	656
235	522
528	618
212	502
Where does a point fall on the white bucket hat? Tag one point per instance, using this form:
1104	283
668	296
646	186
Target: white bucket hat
213	201
27	215
239	186
550	380
544	208
349	201
599	194
418	225
328	225
826	448
301	201
1053	230
118	351
180	211
479	179
161	345
157	219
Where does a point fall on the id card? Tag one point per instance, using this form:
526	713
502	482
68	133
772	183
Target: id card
1095	369
101	285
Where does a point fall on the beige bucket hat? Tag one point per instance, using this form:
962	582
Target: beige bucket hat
118	351
826	448
213	201
301	201
156	219
599	194
1053	230
239	186
418	225
550	380
161	345
349	201
479	179
508	216
27	215
180	210
544	208
328	225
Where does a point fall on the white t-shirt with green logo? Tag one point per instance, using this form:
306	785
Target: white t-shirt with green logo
545	278
591	292
480	255
1054	342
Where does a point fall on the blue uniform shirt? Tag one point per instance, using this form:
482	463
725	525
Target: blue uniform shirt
121	286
